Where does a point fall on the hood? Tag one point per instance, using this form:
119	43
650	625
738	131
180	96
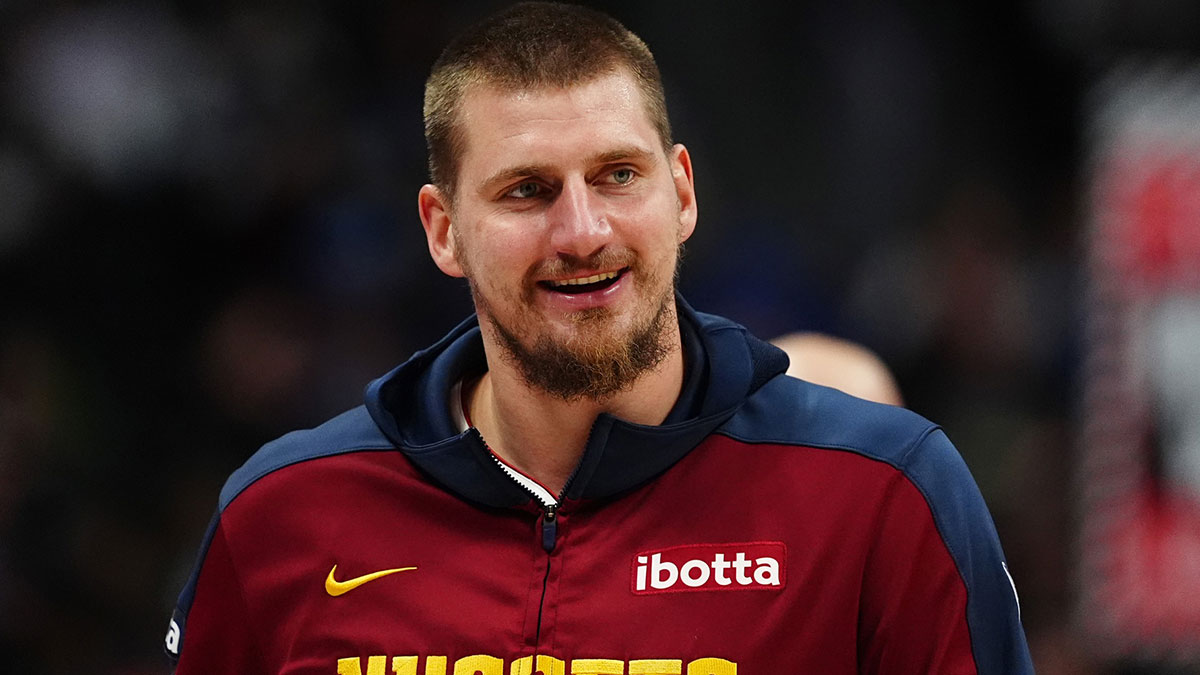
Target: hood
411	405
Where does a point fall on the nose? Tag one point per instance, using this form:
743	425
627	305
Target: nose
578	222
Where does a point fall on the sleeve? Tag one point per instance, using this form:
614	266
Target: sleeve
937	597
211	630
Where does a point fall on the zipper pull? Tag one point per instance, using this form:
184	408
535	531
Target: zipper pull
549	527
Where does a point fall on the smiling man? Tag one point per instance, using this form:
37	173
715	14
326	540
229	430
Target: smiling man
589	476
565	213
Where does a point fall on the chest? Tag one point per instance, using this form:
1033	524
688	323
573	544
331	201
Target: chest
701	572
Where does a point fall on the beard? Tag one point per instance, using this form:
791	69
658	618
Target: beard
592	363
593	369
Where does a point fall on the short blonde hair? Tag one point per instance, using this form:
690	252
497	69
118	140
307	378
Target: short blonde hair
530	45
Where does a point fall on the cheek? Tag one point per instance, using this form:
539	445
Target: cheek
656	228
503	254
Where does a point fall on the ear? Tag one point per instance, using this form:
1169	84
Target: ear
685	190
434	209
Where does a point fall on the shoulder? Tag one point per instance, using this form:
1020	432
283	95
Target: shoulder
351	431
789	411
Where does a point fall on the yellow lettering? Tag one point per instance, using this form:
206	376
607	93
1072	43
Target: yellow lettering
597	667
711	666
479	663
547	665
404	665
550	665
656	667
541	664
353	666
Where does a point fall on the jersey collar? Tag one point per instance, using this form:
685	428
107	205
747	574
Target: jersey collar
411	406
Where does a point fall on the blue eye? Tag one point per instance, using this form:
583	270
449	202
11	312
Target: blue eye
622	176
524	191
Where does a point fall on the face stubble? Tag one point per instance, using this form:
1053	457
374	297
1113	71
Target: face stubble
591	363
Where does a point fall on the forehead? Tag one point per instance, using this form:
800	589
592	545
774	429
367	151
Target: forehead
552	125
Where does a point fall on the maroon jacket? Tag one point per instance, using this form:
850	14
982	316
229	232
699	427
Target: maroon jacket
768	526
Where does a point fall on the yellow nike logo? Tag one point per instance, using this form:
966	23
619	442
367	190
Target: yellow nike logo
335	588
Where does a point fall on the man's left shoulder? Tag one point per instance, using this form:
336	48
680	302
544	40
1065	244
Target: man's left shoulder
790	411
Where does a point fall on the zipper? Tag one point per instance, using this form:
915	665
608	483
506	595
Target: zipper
550	514
549	527
549	502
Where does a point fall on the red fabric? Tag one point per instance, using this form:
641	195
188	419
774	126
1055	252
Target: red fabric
869	585
913	616
220	636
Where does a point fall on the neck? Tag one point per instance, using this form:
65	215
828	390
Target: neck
544	436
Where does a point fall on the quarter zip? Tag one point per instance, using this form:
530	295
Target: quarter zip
550	514
546	527
549	502
549	527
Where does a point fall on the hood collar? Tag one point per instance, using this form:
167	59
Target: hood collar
411	406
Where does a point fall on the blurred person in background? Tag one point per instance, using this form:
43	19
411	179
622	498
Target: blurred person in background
841	364
589	471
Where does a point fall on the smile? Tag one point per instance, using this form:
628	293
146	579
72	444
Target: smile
595	282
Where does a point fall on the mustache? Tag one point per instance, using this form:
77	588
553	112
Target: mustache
565	265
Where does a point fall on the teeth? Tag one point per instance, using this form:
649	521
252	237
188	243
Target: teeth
585	280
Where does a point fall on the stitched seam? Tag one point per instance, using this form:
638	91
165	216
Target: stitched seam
900	465
920	440
299	460
889	494
237	578
937	525
831	446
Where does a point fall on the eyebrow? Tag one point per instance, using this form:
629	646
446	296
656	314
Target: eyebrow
505	175
626	153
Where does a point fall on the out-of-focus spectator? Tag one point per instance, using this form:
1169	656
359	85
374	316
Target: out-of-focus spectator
841	364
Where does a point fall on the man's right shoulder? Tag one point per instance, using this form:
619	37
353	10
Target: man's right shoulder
351	431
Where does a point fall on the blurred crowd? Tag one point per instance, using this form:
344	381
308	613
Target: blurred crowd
208	237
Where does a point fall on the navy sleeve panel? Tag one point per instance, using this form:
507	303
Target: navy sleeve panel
962	518
224	636
352	431
174	641
788	411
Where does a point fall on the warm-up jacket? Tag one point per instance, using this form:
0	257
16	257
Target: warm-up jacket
768	526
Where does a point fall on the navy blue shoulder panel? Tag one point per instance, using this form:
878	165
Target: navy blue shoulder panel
349	432
788	411
353	430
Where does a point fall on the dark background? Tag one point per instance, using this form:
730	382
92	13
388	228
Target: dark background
208	237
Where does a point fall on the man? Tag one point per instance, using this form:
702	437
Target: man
841	364
590	477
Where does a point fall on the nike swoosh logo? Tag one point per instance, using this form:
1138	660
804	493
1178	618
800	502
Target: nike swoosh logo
335	588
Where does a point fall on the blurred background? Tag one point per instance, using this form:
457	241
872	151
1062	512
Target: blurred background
208	237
